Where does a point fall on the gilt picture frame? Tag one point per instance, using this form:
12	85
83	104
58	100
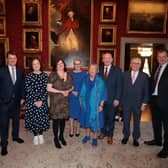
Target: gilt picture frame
146	17
70	43
32	12
4	48
108	12
107	35
32	40
2	7
2	26
101	51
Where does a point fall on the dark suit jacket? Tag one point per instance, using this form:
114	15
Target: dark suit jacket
113	83
7	89
133	95
162	87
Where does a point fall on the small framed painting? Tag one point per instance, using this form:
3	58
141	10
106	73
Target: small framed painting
108	12
107	35
32	40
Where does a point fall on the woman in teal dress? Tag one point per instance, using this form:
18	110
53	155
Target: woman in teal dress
92	96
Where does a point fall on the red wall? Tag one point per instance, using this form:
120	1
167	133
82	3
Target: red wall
14	28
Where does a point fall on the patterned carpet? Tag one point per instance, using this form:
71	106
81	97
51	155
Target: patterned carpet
77	155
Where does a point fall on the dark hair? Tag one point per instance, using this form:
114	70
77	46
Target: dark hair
162	49
41	66
11	53
56	62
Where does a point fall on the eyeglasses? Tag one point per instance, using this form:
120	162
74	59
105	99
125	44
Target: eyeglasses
77	64
136	63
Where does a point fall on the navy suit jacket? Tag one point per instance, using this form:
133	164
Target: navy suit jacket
113	83
8	90
133	95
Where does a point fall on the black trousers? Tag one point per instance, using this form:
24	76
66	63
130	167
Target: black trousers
159	121
6	110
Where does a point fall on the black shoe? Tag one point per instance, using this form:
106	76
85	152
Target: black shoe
57	144
153	142
18	140
124	141
163	153
4	151
71	135
77	135
135	143
63	141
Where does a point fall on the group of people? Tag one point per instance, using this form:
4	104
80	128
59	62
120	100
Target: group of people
89	100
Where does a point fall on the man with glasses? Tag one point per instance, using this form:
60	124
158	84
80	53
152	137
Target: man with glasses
134	98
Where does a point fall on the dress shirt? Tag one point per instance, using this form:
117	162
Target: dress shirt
134	73
108	69
10	70
155	93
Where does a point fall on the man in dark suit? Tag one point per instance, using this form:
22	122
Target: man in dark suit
11	96
159	103
113	80
135	96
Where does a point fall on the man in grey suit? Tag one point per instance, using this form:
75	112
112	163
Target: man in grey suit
135	96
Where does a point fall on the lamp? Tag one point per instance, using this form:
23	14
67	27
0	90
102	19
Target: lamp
145	52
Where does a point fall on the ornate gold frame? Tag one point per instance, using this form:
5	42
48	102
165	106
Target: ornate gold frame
91	36
5	41
145	17
35	18
3	7
109	6
111	31
36	44
2	26
100	51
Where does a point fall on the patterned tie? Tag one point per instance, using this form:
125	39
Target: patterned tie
13	75
133	77
106	72
156	78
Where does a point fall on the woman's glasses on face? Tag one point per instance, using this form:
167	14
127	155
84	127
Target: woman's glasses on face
77	64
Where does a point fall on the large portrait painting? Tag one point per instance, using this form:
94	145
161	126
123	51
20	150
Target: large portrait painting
70	31
147	16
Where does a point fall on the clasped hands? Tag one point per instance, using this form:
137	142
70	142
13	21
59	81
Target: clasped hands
65	93
38	103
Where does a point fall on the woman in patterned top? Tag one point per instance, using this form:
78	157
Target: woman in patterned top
59	86
36	116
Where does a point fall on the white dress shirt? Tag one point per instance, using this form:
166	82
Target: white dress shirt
10	70
155	93
108	69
